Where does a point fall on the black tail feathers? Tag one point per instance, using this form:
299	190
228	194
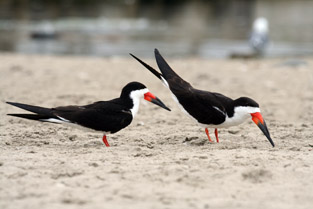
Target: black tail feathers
31	108
166	70
30	116
151	69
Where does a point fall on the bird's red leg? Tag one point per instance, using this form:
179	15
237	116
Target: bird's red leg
216	135
105	141
207	133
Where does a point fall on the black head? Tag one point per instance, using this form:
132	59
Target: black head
132	86
246	106
245	102
133	91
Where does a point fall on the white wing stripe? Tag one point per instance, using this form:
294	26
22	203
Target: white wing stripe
63	119
219	110
164	82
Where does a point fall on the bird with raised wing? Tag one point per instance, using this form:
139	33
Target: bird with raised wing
209	109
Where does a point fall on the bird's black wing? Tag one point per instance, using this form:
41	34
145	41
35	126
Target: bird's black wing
175	82
168	76
101	116
151	69
106	116
224	103
203	106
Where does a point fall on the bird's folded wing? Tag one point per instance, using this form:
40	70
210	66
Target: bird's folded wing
203	107
98	118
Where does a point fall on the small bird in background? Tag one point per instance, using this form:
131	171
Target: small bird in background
209	109
259	36
104	116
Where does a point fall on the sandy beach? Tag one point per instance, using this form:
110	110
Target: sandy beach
163	159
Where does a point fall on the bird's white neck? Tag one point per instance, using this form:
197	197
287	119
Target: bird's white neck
135	108
240	115
136	96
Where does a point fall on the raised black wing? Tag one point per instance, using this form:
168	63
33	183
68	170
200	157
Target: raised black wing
206	107
151	69
176	83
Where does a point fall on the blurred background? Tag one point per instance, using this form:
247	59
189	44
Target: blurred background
202	28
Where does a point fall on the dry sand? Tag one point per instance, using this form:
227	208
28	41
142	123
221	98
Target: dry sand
163	159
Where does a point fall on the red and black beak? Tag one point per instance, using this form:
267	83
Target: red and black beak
260	122
151	98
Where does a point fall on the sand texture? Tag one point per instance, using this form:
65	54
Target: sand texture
163	159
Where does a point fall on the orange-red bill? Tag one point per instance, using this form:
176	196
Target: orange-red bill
151	98
260	122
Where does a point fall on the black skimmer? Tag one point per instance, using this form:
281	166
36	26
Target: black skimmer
105	116
211	110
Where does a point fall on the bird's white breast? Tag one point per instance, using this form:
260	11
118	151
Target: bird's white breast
241	114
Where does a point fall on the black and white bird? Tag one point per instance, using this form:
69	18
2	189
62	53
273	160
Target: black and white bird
104	116
211	110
